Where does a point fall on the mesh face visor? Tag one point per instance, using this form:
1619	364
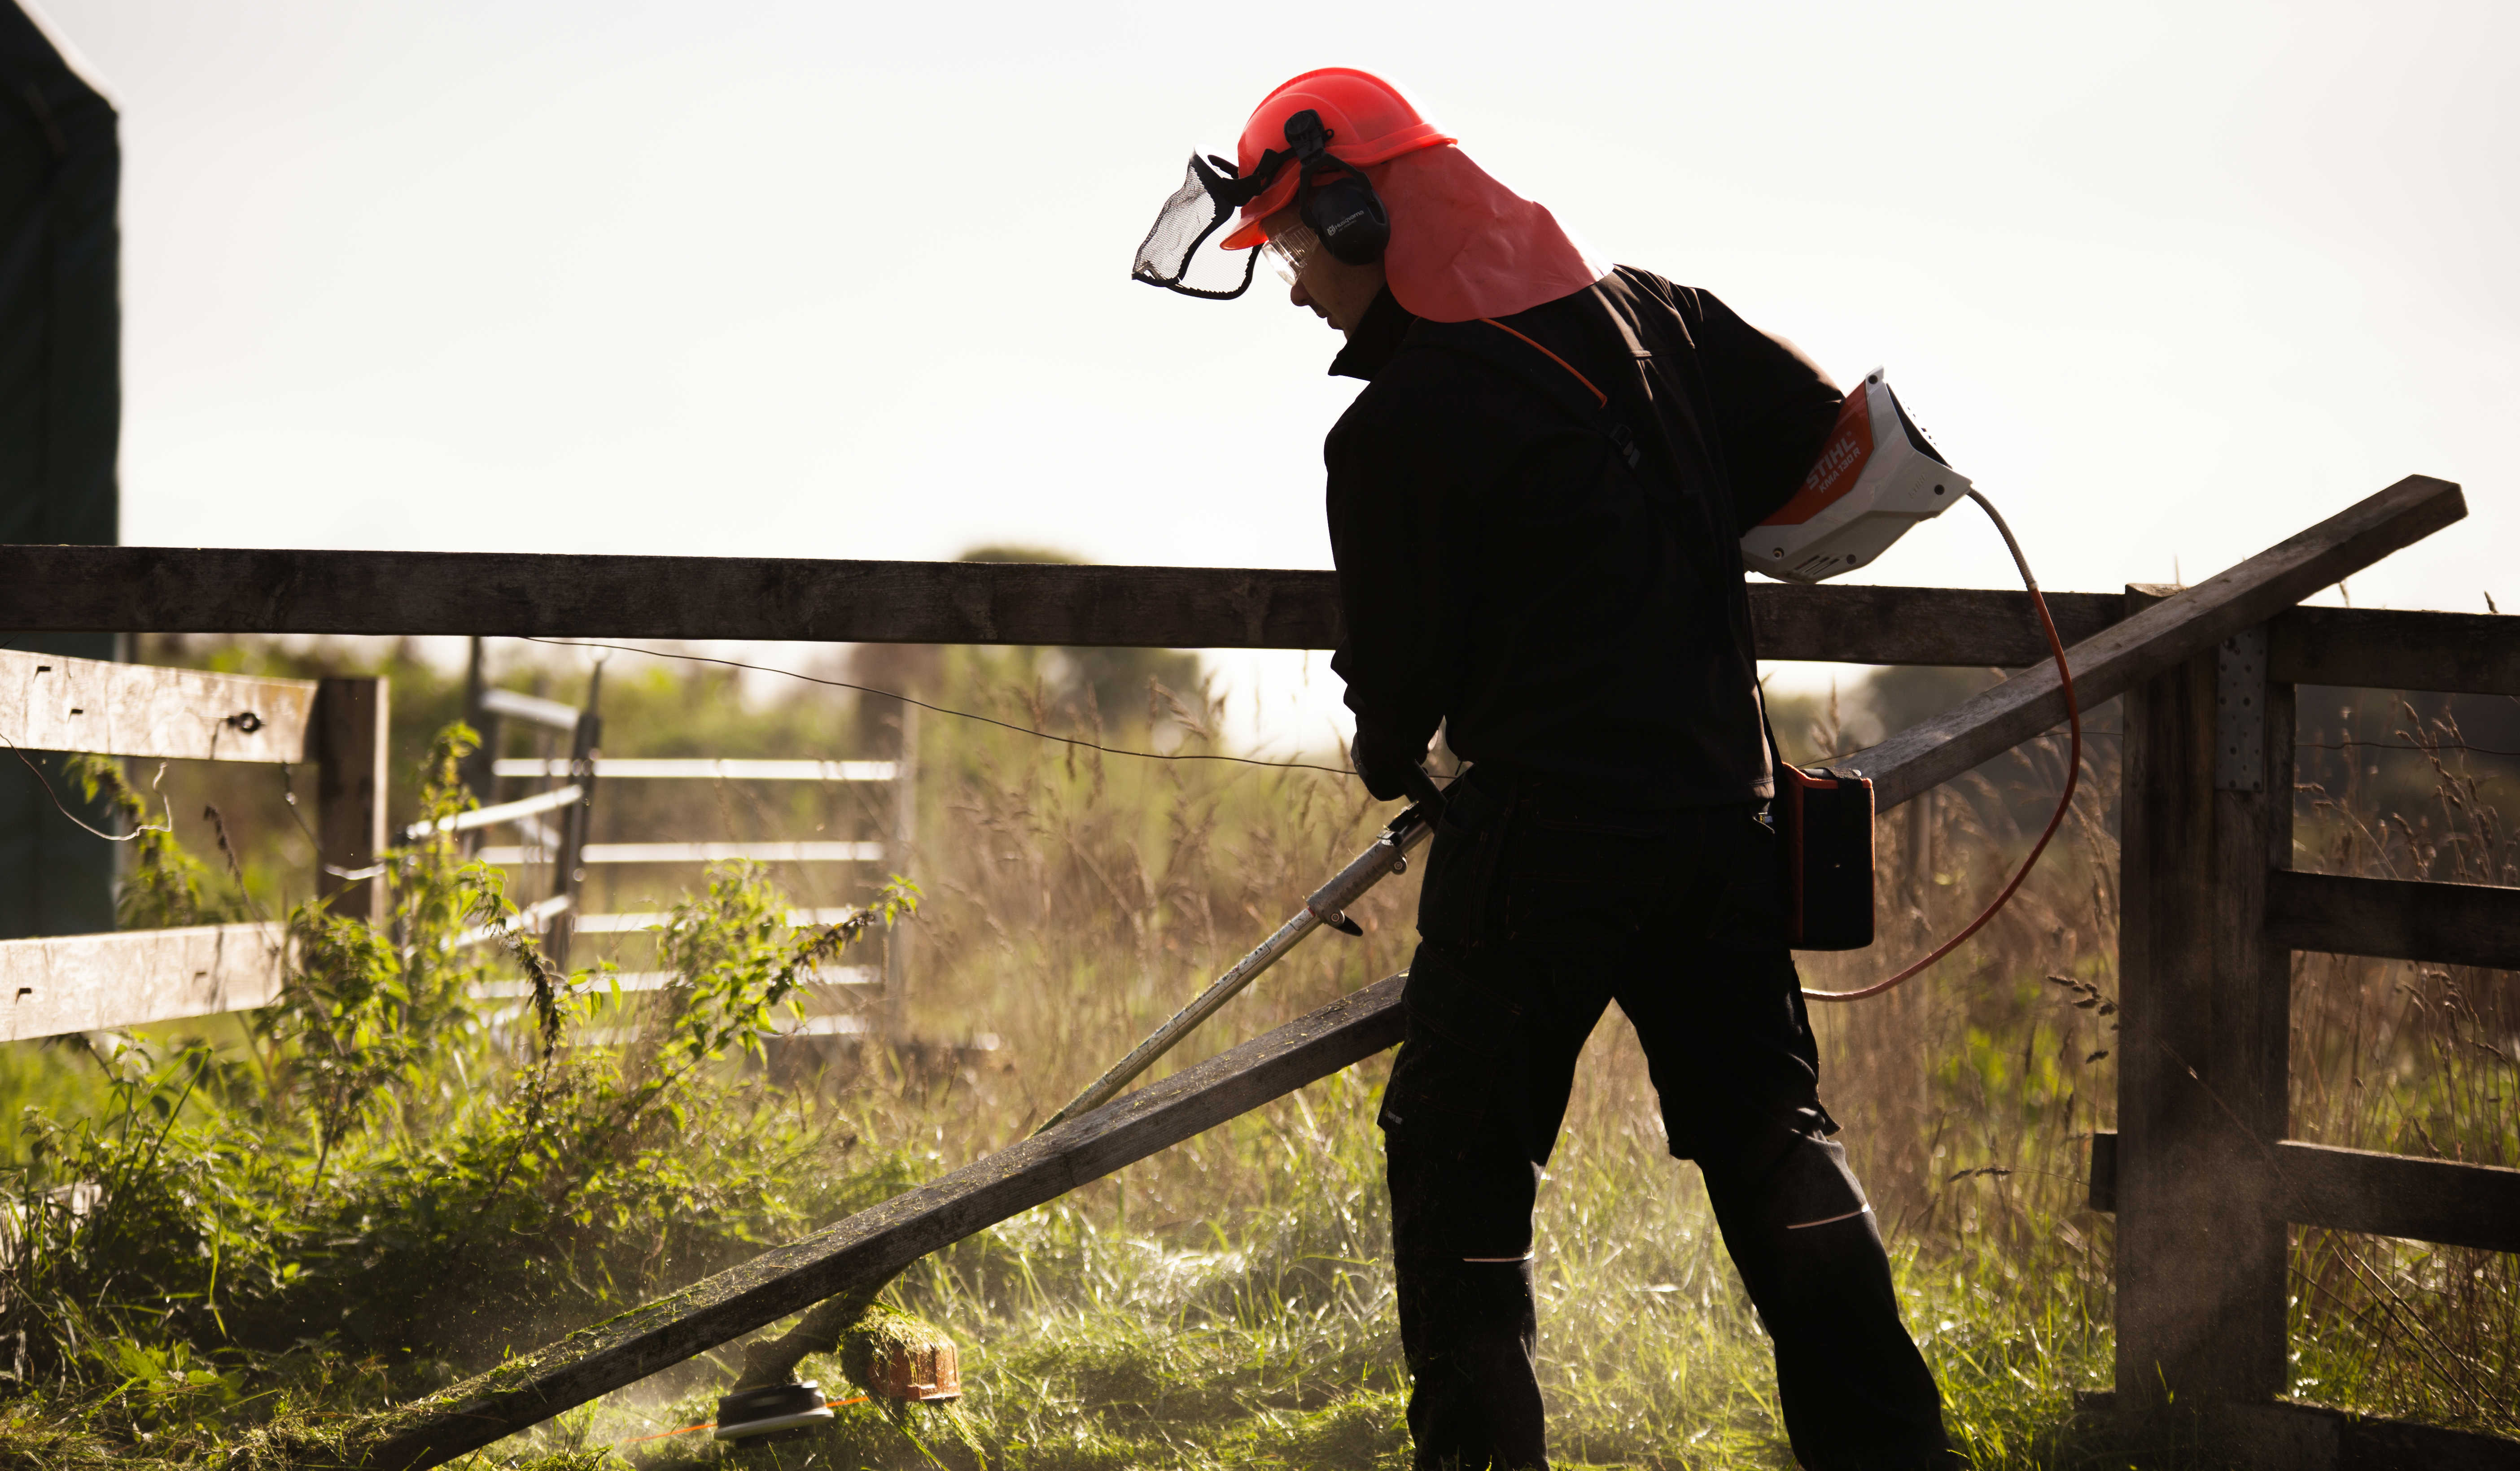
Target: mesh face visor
1181	255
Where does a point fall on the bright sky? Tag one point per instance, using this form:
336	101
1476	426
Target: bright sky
2171	280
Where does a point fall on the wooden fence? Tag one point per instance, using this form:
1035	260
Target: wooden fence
338	727
2211	909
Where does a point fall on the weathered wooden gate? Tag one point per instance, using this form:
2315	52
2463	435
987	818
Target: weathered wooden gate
2203	1177
2211	909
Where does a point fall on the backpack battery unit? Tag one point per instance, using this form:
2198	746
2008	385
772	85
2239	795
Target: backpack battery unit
1876	476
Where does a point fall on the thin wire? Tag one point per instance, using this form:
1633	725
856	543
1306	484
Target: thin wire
1292	766
2304	745
2073	775
288	796
1074	741
2403	745
110	837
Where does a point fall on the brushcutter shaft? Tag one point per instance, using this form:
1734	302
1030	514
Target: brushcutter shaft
1187	1018
1329	903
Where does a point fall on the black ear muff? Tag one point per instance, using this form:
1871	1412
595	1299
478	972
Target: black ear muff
1334	198
1348	215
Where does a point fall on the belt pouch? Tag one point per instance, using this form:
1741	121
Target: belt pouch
1827	827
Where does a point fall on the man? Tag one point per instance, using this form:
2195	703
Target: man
1536	507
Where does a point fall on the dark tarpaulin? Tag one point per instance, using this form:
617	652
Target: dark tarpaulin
61	414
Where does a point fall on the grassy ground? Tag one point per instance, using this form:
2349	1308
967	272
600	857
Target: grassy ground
382	1186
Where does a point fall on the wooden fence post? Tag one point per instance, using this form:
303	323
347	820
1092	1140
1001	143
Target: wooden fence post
577	822
899	857
478	771
347	741
2204	1010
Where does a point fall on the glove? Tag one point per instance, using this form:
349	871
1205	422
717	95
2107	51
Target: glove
1389	770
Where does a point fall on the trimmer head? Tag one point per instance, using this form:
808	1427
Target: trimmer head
1877	475
749	1413
924	1372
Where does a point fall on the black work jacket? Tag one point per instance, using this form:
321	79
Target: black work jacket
1503	567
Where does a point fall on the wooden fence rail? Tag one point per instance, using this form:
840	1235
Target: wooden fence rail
183	590
52	703
2399	919
2157	636
2448	1202
93	983
2439	1200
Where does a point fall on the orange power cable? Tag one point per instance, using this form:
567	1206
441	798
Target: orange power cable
1599	396
666	1434
2073	774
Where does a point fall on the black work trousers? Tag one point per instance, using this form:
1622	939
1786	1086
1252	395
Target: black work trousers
1538	911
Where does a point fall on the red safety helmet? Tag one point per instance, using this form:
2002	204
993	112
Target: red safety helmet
1369	122
1454	243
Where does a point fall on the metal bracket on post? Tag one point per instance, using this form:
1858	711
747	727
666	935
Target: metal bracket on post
2240	712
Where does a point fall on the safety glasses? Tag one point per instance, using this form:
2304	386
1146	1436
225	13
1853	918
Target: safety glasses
1291	250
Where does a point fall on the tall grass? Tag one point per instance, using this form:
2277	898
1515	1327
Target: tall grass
2411	1060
